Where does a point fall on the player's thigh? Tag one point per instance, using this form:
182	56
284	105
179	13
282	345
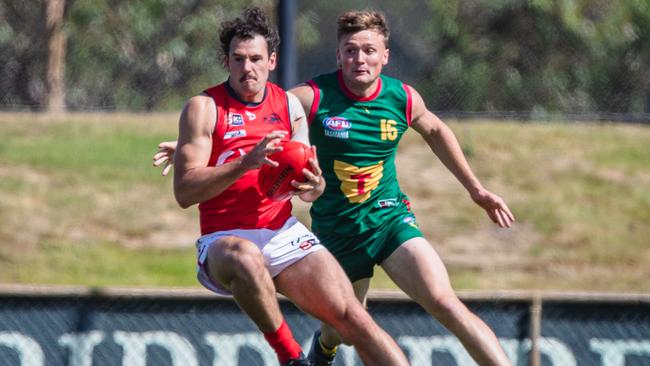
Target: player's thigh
417	269
318	285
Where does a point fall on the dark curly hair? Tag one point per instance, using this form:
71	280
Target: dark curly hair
252	23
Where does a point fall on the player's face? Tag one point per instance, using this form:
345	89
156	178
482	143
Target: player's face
361	57
249	65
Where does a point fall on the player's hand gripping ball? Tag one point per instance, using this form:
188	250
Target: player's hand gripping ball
275	182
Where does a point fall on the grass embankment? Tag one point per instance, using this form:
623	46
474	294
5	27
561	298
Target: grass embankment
80	204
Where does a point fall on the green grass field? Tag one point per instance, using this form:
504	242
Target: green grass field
80	203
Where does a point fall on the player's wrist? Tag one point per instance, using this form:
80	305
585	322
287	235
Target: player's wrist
477	193
310	196
474	187
243	165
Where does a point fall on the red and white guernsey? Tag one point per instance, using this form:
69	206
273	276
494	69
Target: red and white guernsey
239	127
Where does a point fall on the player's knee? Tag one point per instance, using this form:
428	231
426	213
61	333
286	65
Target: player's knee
235	259
446	307
350	319
337	314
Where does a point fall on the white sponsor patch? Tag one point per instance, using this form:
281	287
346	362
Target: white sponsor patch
337	134
408	219
235	119
233	134
391	202
337	127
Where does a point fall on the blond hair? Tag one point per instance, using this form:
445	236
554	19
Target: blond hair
359	20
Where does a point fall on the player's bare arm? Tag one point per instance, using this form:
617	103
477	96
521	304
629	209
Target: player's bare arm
305	95
309	190
444	144
314	185
194	180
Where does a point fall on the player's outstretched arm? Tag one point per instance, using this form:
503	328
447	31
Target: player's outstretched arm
444	144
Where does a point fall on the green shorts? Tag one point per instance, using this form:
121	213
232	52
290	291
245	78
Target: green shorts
359	254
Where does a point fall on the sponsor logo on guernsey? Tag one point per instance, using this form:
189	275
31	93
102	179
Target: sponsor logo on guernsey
337	127
235	119
233	134
410	220
272	118
391	202
251	116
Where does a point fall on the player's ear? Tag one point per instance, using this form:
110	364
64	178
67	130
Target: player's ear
384	60
272	61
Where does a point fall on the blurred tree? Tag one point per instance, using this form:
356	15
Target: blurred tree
534	57
55	66
148	54
32	53
138	55
541	56
619	78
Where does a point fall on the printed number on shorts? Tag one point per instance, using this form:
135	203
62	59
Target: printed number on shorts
358	182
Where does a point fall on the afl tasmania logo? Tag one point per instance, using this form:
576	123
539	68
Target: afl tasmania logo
337	127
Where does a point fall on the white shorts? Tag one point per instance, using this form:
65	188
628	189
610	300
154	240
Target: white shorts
280	248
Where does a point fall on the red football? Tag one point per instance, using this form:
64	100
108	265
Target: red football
275	183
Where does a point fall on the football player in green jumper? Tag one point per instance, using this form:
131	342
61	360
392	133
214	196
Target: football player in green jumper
357	117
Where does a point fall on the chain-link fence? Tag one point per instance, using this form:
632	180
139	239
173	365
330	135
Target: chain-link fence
528	59
49	327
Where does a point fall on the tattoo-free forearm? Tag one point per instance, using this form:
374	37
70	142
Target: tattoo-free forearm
444	144
196	185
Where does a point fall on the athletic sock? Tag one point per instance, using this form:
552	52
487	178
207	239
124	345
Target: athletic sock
283	343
